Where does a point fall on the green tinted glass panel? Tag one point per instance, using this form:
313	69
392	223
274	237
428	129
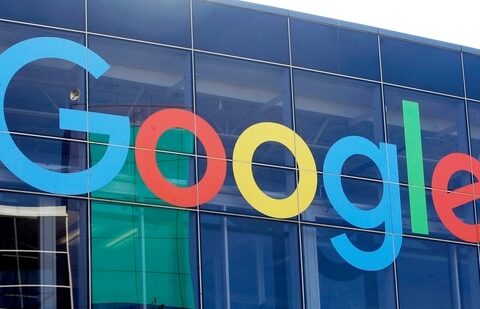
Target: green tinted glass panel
129	186
142	255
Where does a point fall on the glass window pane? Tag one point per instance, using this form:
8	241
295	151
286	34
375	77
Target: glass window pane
142	80
128	185
362	194
39	254
51	154
232	95
249	263
474	123
227	29
331	281
436	228
59	13
445	275
443	130
162	21
39	89
421	66
155	256
334	49
328	108
471	64
274	182
36	297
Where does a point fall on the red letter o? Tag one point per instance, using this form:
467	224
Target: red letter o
146	143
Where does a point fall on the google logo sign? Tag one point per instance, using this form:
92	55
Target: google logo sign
387	213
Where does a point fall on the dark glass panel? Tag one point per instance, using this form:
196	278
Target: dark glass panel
334	49
39	89
328	108
421	66
437	275
249	263
227	29
37	297
474	126
142	80
443	130
471	64
162	21
362	194
52	154
233	95
31	233
143	256
42	268
274	182
436	228
59	13
34	266
331	281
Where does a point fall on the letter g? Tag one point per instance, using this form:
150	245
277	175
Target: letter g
116	127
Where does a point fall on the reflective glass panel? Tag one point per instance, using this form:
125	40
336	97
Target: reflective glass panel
36	232
334	49
437	275
162	21
249	263
436	228
227	29
36	297
328	108
143	256
421	66
142	80
471	64
40	88
233	95
128	185
52	154
59	13
274	182
333	283
443	130
362	194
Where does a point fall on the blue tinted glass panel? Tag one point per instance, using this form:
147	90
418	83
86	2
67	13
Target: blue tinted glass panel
421	66
471	64
59	13
40	88
242	32
142	80
232	95
436	228
56	155
437	275
331	281
274	182
334	49
328	108
249	263
162	21
443	130
62	224
474	122
362	194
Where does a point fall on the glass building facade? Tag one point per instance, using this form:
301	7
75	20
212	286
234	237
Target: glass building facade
235	65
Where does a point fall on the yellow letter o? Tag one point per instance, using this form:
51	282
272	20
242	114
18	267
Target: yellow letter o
245	147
